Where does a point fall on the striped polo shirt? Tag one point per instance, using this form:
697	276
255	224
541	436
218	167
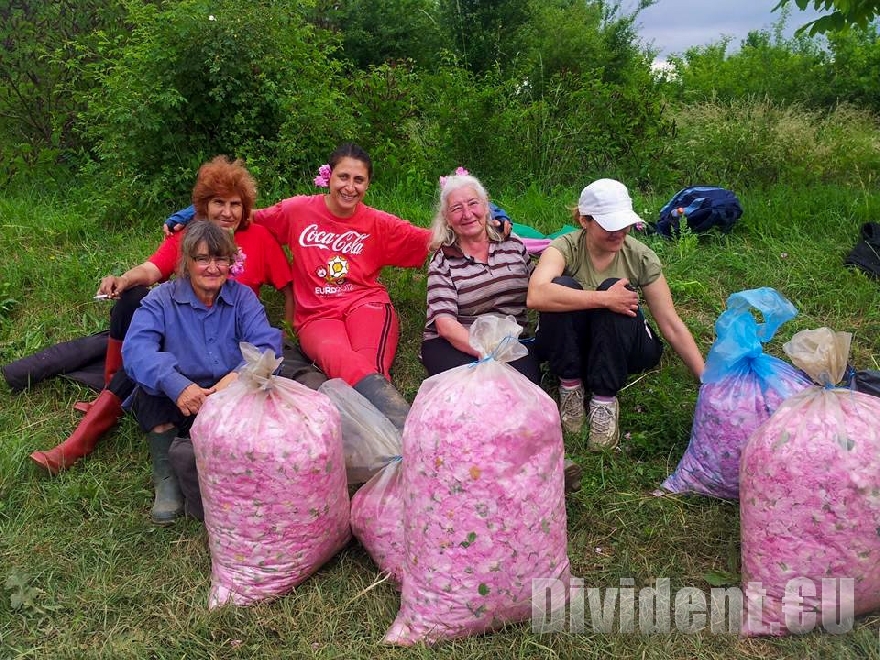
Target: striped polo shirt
463	288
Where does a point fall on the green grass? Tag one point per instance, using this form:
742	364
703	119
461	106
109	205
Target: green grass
85	574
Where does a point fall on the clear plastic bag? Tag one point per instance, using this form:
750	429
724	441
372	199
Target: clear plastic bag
272	479
810	495
372	448
377	515
742	386
480	442
369	439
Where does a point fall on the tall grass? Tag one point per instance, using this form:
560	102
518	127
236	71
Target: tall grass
757	142
86	575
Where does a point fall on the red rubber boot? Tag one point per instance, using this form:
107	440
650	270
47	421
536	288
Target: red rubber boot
102	416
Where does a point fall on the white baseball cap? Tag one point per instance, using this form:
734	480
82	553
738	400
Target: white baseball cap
609	204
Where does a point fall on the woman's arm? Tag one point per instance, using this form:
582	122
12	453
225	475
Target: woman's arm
546	296
659	300
144	355
455	333
145	274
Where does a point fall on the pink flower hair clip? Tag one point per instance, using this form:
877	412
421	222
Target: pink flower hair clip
459	171
323	178
237	267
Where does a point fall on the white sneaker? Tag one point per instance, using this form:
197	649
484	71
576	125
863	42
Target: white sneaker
571	408
604	433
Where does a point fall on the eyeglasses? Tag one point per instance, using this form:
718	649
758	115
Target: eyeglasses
203	261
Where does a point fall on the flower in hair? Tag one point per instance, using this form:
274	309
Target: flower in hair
237	267
323	178
459	171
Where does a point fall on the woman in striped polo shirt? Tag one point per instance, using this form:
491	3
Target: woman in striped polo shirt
473	271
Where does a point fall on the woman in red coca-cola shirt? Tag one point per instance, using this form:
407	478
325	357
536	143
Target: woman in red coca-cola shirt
344	318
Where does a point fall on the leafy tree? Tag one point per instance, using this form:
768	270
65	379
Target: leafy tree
374	32
818	72
197	78
852	72
485	35
45	45
765	66
844	14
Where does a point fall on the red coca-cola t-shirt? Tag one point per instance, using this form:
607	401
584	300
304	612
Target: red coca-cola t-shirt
337	261
264	263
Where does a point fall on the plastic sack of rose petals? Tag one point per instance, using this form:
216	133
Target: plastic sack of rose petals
810	500
272	479
377	519
482	481
742	386
369	439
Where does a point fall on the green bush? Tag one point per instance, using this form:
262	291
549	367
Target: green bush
47	47
198	78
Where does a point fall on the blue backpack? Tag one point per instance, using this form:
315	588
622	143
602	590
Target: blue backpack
703	206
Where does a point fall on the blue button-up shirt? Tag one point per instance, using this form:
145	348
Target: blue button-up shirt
175	340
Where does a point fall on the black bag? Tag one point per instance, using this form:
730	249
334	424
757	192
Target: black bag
866	253
867	381
704	207
80	359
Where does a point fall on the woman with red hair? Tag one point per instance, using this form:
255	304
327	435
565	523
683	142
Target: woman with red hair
224	193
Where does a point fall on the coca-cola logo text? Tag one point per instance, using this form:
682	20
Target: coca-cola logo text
347	242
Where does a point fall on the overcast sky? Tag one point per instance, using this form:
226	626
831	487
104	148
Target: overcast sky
676	25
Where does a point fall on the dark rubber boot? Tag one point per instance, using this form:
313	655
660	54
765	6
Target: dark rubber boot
168	504
102	416
182	456
376	389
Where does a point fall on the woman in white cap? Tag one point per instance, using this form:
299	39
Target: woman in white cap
591	330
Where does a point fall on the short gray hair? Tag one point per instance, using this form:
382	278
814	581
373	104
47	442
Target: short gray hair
218	241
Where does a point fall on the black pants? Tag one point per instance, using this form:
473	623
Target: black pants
598	346
438	355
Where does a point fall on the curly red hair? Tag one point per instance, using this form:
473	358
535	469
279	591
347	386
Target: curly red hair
223	177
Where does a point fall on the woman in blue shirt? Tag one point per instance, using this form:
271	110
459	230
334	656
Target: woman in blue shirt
183	345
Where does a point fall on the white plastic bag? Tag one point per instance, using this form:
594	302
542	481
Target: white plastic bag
483	495
272	479
810	498
369	439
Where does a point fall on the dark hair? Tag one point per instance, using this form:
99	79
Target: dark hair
223	177
351	150
218	241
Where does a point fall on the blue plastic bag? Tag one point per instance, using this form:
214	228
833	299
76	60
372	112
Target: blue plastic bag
742	386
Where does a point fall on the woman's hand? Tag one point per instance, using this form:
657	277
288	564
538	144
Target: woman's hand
620	299
112	285
145	274
192	398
